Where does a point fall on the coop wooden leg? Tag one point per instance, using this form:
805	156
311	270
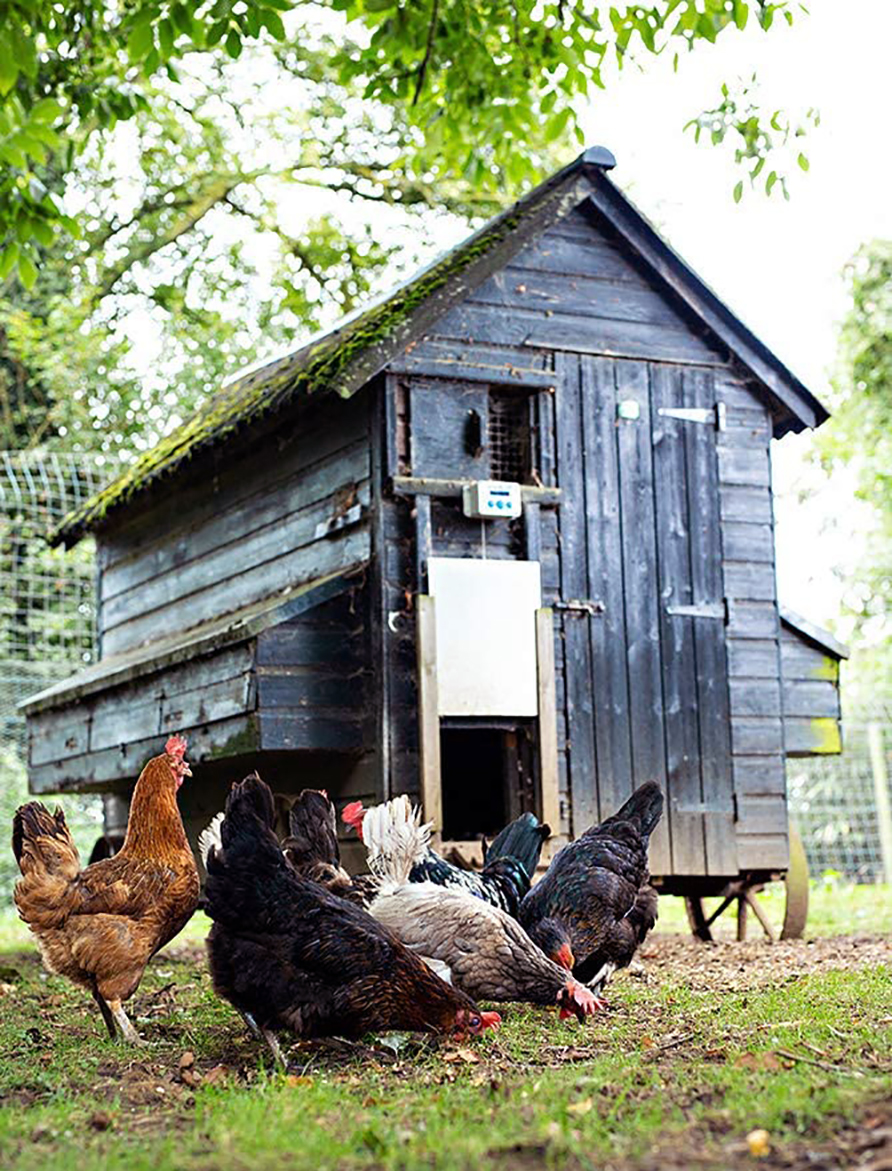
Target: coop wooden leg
760	914
741	919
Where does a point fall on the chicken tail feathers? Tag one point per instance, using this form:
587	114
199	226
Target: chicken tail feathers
396	839
643	809
522	840
210	839
42	842
313	836
244	873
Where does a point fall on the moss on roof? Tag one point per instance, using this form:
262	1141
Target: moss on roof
327	365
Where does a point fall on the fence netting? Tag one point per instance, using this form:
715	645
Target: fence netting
47	610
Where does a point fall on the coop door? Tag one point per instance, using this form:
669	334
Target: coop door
486	697
659	691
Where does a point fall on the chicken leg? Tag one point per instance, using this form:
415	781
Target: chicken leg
106	1013
123	1022
273	1041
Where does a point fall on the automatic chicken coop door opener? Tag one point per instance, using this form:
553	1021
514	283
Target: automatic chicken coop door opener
486	635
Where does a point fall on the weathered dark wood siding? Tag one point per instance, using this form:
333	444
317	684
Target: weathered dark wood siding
109	736
291	509
753	632
313	678
566	300
811	699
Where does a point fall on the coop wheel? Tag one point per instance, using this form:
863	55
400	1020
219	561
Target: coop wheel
796	882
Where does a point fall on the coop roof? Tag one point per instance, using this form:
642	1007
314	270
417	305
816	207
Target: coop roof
816	635
342	360
188	646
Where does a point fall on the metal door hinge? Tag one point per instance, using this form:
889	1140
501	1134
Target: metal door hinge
717	415
579	606
700	610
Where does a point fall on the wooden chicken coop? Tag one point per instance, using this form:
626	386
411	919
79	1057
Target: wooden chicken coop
502	541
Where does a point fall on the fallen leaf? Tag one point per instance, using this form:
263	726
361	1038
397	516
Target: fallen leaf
294	1079
467	1055
100	1121
759	1143
581	1107
216	1076
647	1042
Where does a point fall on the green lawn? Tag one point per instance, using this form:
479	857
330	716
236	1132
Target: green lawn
700	1046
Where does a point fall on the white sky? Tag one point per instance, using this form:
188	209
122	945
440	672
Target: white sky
776	264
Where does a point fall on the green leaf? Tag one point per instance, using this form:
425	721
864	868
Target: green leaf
233	44
803	162
272	22
47	110
27	271
141	41
9	69
166	37
43	233
770	182
8	258
738	191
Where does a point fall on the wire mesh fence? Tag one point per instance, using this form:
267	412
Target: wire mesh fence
47	610
840	804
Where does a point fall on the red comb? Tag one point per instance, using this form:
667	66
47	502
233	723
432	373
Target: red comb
176	746
352	814
490	1020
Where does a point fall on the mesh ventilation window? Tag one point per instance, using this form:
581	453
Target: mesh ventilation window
510	445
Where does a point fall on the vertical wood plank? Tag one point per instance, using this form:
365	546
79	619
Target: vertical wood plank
577	650
531	535
683	787
428	715
607	631
549	792
378	586
709	635
545	425
423	541
636	489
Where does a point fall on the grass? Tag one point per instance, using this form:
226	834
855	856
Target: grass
703	1046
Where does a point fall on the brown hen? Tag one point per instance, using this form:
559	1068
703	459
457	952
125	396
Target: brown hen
100	926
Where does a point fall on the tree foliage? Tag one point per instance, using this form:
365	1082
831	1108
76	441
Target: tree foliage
482	87
860	435
220	223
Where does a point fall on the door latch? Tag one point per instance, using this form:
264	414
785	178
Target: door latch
717	415
581	606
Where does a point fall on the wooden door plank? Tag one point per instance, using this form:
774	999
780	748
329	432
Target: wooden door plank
684	828
709	636
577	650
428	715
607	631
643	655
549	794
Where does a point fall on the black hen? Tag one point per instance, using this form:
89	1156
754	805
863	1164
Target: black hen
312	848
597	889
510	861
290	955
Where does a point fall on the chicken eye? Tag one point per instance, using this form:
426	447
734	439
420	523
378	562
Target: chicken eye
475	1022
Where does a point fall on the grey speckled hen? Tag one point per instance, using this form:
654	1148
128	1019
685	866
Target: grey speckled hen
488	953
